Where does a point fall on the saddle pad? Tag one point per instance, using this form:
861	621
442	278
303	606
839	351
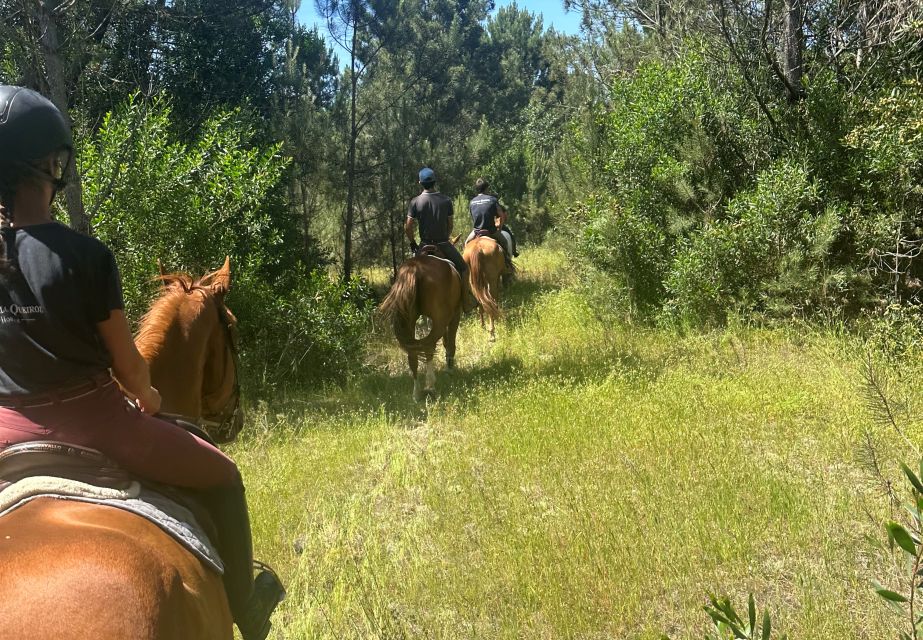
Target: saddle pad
174	519
447	261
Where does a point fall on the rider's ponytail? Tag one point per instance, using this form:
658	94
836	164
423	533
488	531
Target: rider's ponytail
9	180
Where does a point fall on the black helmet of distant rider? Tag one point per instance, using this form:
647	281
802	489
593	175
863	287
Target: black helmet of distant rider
31	129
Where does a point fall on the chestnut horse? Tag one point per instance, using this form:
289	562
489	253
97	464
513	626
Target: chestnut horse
486	265
88	572
189	339
430	287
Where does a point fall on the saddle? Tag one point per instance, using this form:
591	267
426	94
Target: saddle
431	250
61	460
89	466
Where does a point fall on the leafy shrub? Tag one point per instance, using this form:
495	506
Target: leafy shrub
904	539
889	170
623	244
897	332
150	196
768	253
311	333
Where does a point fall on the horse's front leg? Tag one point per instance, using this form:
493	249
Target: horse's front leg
449	341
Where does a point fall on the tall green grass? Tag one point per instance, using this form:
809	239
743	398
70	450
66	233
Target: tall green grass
579	478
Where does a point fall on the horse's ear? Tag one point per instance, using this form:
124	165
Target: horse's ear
220	280
456	239
163	272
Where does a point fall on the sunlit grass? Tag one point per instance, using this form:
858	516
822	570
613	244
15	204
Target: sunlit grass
577	479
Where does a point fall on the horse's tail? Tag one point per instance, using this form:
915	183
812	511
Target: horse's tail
400	305
480	284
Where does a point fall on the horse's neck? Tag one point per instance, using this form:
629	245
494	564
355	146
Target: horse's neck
177	366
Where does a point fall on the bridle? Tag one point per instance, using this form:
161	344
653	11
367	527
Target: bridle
222	423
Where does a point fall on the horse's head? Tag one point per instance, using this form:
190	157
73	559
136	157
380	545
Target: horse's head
189	339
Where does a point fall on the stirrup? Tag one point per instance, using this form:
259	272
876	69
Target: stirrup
261	566
268	592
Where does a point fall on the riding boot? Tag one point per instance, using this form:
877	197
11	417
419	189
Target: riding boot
251	602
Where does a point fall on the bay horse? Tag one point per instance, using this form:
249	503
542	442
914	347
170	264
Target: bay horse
430	287
486	266
89	572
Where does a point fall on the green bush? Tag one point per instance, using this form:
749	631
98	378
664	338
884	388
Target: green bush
627	246
312	333
150	197
767	254
897	332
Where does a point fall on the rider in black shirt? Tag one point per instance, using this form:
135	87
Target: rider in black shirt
485	209
434	212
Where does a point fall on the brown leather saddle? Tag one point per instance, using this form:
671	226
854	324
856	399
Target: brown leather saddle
431	250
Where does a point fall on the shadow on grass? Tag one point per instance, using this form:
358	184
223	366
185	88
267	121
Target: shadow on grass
523	290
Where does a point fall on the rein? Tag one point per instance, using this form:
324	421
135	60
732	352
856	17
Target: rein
223	421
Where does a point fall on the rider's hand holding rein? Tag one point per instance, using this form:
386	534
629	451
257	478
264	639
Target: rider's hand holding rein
129	368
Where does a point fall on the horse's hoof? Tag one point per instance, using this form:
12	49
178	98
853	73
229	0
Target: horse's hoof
492	338
431	394
450	364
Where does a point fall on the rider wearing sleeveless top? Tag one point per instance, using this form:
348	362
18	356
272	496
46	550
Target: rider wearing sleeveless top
485	208
434	212
63	328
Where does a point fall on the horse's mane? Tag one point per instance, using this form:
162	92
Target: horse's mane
160	317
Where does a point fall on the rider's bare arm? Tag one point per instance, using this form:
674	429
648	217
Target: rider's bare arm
410	226
502	215
129	367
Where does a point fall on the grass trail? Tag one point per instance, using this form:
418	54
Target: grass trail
577	479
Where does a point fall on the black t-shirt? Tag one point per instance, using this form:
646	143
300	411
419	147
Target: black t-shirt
63	283
432	211
484	209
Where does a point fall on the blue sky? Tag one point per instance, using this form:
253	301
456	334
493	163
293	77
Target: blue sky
551	10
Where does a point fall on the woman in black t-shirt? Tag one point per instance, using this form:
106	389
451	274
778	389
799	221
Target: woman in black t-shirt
63	327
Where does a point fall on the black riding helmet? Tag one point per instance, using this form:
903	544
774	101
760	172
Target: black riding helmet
31	127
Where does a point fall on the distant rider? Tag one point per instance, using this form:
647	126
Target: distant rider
434	213
486	210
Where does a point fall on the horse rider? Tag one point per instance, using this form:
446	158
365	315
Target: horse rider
434	212
485	209
63	328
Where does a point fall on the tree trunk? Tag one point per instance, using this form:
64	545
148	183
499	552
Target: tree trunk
862	22
792	59
54	75
350	163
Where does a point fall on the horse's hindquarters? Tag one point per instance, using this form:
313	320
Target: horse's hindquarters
78	571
